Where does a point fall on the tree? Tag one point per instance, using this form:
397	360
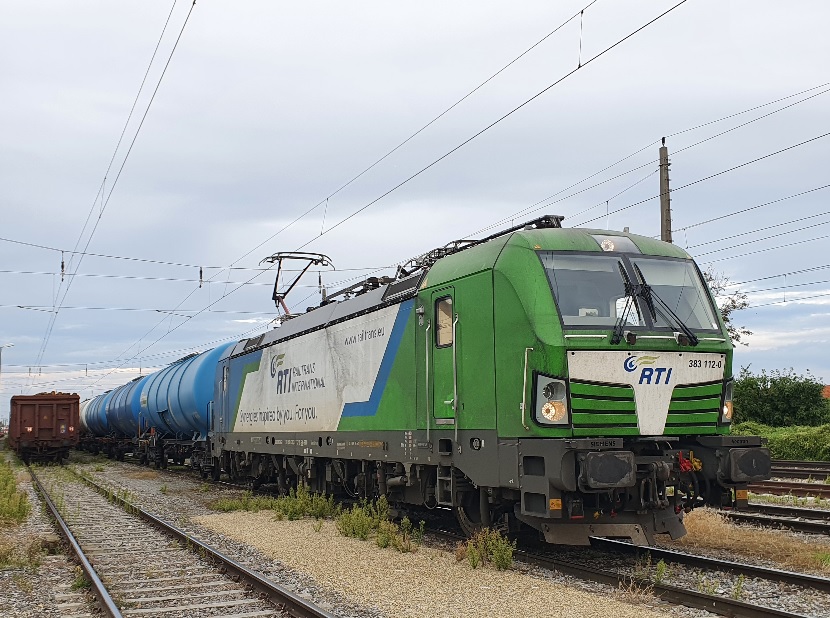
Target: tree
779	398
728	303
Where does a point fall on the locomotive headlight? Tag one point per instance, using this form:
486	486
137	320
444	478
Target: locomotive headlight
551	401
726	411
554	411
554	391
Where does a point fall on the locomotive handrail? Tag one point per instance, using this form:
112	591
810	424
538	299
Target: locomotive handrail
455	380
426	376
524	389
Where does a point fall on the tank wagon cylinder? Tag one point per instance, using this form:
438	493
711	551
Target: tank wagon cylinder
176	399
94	418
83	408
122	409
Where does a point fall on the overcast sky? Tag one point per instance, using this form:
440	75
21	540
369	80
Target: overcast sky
268	108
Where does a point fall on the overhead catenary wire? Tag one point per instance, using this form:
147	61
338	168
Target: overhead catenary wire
546	202
775	248
743	210
497	121
612	212
786	274
715	175
419	131
105	202
762	229
435	162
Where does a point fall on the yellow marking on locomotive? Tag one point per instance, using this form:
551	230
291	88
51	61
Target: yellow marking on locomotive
555	504
741	494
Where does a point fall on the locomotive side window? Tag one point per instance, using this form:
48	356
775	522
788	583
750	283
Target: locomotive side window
443	321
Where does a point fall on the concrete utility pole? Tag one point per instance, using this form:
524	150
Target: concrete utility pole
665	194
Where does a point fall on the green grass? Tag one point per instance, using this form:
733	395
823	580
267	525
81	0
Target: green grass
18	554
369	520
14	504
297	504
487	547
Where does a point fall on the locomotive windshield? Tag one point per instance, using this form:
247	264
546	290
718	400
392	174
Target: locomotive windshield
590	289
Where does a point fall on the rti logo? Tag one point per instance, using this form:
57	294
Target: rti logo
276	361
648	373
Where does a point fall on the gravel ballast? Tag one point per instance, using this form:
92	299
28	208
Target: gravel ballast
428	582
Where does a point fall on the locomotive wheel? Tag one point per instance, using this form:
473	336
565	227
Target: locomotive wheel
468	513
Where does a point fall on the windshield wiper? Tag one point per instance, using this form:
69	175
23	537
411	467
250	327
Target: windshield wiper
647	293
631	292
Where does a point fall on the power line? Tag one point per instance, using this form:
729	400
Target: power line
545	203
105	203
715	175
497	121
423	128
792	300
738	212
762	229
786	287
435	162
787	274
49	308
792	244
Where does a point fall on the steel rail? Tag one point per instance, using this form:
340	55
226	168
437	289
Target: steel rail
800	469
106	602
808	526
787	511
722	606
791	488
282	597
669	555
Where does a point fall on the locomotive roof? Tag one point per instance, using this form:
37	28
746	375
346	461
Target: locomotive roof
470	260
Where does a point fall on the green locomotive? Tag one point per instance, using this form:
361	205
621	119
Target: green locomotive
575	381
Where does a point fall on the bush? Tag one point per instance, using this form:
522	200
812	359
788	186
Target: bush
796	443
14	504
366	519
780	398
487	547
297	504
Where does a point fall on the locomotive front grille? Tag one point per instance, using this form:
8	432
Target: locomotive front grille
611	409
694	409
603	409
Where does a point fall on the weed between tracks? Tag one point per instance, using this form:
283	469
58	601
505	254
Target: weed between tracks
709	529
297	504
14	504
486	547
816	502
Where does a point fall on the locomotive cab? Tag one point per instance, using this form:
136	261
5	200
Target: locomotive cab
629	387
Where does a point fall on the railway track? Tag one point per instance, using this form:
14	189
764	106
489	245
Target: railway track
792	488
809	521
139	565
818	470
721	605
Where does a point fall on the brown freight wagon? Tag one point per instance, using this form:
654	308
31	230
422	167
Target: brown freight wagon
44	427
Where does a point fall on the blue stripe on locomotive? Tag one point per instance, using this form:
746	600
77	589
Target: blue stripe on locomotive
370	407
